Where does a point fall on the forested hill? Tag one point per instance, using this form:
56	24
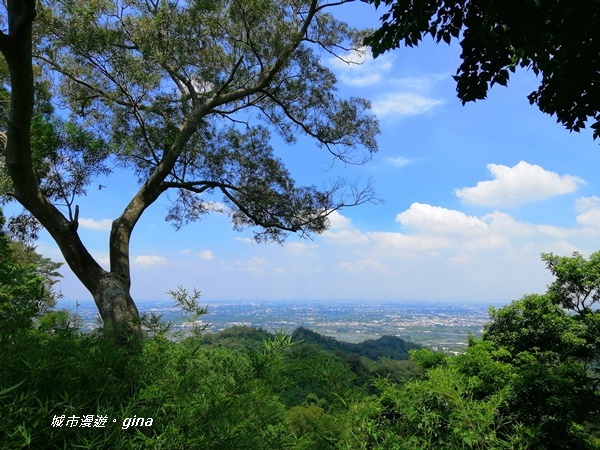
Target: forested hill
385	347
240	337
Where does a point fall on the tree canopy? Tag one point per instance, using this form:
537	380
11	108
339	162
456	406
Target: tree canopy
555	39
185	96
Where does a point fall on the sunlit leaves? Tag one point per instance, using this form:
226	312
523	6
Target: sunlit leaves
175	89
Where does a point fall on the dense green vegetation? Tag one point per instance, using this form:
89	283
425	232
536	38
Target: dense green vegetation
391	347
529	383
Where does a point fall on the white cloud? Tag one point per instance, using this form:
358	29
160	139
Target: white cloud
150	260
399	161
358	68
346	236
337	221
403	97
438	220
434	231
583	204
514	186
404	104
100	225
589	209
590	218
342	231
202	86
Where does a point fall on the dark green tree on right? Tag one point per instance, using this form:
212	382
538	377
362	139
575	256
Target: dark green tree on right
530	382
558	39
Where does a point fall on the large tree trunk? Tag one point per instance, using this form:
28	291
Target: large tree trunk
119	314
109	289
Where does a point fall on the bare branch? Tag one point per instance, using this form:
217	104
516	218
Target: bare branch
197	187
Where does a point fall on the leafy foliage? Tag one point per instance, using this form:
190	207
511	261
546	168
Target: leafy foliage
26	280
142	74
184	96
527	384
556	39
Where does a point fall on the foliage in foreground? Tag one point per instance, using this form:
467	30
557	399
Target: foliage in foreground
529	383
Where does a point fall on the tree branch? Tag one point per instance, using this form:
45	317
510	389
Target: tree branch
100	92
3	41
193	185
19	57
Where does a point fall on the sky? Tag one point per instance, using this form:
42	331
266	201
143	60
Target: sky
471	195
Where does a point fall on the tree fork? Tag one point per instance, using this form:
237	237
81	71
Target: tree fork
110	293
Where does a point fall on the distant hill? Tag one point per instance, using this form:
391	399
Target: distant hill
385	347
237	337
244	337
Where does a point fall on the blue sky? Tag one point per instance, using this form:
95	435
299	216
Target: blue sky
471	196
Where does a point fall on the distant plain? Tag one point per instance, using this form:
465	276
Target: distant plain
437	325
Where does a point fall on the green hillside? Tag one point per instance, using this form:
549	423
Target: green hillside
530	382
391	347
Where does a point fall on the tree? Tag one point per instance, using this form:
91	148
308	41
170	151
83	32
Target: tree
577	290
184	95
26	280
577	284
537	325
557	39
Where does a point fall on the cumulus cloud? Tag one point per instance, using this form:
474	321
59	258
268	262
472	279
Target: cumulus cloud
589	209
217	207
99	225
150	260
337	221
434	231
342	231
404	104
435	219
583	204
403	97
358	68
590	218
514	186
